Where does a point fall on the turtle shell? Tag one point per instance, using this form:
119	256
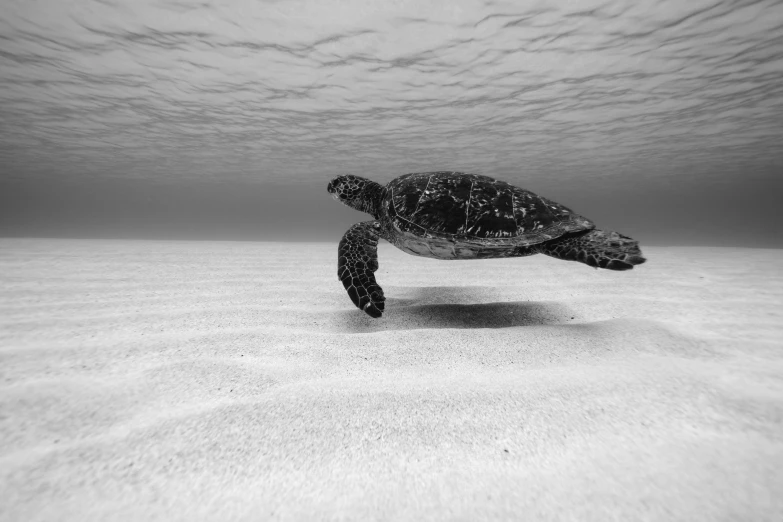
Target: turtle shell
470	207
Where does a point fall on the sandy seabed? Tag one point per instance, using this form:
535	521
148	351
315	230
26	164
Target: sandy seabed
236	381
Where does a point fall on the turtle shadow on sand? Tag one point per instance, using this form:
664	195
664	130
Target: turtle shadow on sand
408	314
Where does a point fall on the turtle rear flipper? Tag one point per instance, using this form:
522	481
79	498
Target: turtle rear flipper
357	260
598	248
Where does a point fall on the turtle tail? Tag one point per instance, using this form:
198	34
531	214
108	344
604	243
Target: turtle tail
598	248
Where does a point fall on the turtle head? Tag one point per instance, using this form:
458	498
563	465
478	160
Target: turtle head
356	192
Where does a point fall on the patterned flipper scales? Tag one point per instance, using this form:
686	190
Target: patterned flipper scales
597	248
357	260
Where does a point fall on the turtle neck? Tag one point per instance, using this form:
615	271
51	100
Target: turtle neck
372	195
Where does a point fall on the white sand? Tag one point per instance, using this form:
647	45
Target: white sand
217	381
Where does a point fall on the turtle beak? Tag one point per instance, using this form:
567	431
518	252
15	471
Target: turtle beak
332	191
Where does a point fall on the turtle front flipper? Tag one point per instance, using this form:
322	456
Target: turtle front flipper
356	262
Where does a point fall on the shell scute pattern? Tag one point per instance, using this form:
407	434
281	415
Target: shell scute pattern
473	212
491	211
407	227
469	207
539	219
442	206
404	193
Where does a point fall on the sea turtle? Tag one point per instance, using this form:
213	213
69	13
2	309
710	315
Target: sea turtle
453	215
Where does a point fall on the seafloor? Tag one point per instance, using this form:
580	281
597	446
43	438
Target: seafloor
217	381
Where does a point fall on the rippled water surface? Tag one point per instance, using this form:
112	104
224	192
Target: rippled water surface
573	99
